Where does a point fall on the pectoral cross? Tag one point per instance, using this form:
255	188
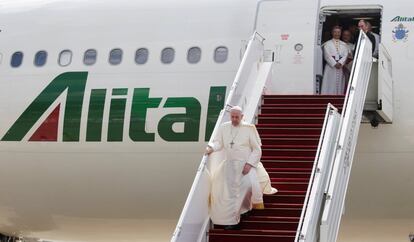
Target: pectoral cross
231	144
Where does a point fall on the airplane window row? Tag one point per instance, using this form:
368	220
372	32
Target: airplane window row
115	56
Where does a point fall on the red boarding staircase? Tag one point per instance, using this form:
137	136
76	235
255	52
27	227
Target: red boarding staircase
290	128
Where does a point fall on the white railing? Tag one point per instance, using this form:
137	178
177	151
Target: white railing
385	85
310	216
330	175
246	92
346	141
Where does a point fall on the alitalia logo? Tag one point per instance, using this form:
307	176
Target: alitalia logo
402	19
72	84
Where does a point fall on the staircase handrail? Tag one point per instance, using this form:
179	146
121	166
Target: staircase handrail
346	140
330	157
314	194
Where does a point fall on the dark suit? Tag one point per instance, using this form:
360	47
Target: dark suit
370	36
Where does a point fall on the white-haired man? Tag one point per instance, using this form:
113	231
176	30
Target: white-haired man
240	180
363	25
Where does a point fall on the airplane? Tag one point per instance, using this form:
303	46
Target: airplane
106	108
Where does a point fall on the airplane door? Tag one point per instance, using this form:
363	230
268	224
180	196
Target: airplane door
385	85
290	29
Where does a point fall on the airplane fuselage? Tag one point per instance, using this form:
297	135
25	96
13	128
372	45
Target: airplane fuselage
108	151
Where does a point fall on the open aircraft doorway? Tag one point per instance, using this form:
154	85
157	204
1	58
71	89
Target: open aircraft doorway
379	100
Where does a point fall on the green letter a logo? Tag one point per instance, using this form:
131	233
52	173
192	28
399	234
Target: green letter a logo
74	83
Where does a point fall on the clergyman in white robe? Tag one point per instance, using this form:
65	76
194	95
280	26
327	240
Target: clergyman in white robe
335	51
233	193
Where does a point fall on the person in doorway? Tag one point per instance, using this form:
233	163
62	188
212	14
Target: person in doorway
363	26
237	183
347	39
377	40
353	29
335	55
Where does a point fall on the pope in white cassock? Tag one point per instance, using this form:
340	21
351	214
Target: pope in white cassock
335	55
239	182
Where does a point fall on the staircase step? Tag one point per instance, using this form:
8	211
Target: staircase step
335	102
291	120
288	192
300	169
302	99
290	141
291	115
249	236
220	230
288	161
284	205
305	110
288	212
296	136
291	186
269	225
302	96
289	152
287	164
285	129
265	218
288	174
289	126
288	146
293	105
290	179
285	197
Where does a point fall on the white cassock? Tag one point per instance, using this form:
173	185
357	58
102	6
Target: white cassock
233	193
335	51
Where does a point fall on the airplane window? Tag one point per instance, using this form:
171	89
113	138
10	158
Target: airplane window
141	56
167	55
65	58
115	57
90	57
1	58
40	58
194	55
221	53
17	59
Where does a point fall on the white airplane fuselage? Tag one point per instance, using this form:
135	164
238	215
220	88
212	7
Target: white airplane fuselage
108	152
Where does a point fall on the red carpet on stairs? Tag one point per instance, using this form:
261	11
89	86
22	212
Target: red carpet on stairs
290	127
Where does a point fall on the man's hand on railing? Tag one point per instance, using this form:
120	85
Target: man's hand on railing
209	150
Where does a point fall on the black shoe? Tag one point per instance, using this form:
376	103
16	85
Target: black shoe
246	214
232	227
